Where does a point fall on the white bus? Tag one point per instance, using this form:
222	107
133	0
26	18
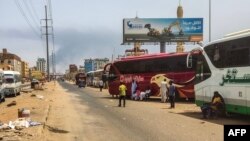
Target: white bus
224	66
12	83
2	87
93	77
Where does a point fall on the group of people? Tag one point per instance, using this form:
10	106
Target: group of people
168	92
137	94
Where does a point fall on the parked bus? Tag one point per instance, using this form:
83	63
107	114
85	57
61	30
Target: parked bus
93	77
12	83
2	87
150	71
224	66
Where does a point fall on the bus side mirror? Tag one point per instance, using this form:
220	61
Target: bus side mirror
189	62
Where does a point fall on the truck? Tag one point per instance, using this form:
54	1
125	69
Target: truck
80	79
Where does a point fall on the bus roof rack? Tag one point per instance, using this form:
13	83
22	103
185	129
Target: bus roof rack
237	33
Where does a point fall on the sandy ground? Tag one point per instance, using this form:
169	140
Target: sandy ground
38	109
67	116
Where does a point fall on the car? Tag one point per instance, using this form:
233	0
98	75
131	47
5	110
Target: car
34	82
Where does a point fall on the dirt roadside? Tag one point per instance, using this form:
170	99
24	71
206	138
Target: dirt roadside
37	101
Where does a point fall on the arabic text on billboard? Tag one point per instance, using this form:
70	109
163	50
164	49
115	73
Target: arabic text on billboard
163	30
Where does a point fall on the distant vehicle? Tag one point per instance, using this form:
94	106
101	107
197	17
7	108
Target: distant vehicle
80	79
150	71
2	87
224	66
34	82
94	77
12	83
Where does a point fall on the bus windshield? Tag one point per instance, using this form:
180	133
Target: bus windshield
9	80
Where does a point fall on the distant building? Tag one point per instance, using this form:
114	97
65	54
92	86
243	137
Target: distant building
72	68
25	69
95	64
41	65
99	63
89	65
10	61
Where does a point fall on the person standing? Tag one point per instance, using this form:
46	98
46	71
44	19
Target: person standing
100	85
133	88
171	94
163	91
122	94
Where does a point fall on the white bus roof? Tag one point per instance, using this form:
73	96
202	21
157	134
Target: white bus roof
95	71
11	72
231	36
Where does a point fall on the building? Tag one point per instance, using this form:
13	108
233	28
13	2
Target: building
99	63
95	64
89	65
25	70
41	65
72	68
10	61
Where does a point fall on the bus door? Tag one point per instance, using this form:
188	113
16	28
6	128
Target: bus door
197	61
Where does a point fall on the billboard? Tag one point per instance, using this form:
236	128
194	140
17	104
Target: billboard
162	30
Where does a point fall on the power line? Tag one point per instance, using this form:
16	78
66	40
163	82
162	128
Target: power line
50	8
34	11
25	17
30	13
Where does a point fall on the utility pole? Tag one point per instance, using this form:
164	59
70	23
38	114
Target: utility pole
209	20
47	43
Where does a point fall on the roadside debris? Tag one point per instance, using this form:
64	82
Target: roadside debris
19	124
23	113
39	96
11	104
33	95
27	90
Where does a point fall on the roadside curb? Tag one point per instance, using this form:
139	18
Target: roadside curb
44	120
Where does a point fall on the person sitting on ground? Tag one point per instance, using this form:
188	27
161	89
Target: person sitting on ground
147	93
137	94
142	95
214	106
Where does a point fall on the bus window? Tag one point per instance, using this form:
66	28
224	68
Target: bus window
236	51
112	75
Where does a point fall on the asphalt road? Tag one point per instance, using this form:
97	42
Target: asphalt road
101	119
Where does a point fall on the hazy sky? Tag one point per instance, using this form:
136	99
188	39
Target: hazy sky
93	28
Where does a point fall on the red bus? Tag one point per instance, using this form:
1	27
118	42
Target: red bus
149	71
